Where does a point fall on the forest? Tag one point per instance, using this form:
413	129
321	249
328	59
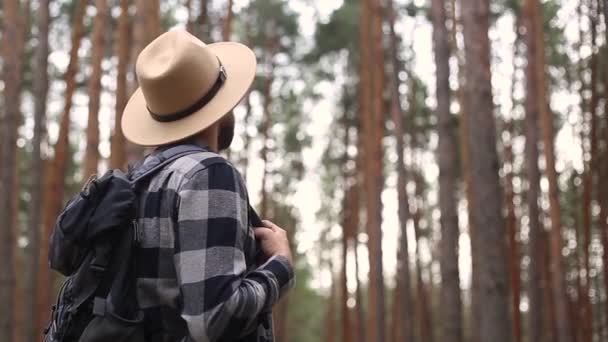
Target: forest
437	163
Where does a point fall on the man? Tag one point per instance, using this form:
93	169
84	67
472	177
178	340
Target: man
199	271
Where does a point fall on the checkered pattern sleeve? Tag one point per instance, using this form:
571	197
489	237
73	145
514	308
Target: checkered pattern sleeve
219	299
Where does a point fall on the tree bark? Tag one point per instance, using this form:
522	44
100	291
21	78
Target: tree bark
40	85
494	319
54	189
98	41
350	195
202	21
585	313
564	331
424	311
373	130
451	306
514	258
118	156
12	77
227	25
404	312
536	287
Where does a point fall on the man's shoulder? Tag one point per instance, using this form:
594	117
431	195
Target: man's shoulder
194	163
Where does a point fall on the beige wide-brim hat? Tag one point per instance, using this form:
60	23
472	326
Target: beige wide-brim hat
185	87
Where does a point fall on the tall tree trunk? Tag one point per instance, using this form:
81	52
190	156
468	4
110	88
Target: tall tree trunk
227	25
350	195
329	326
404	327
356	210
12	76
564	331
373	130
465	166
603	191
589	183
98	41
451	306
511	219
118	156
423	301
203	28
494	319
514	258
41	85
146	27
536	285
54	189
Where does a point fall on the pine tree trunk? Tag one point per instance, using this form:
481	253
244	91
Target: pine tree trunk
40	85
118	156
423	300
465	167
92	151
451	306
54	189
329	326
589	183
355	211
514	258
227	25
373	130
404	312
511	219
203	26
564	331
141	37
347	224
536	286
12	39
493	296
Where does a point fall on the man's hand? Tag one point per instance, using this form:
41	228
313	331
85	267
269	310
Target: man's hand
273	240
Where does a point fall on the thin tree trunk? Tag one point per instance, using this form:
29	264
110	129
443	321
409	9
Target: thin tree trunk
514	258
347	224
465	168
118	156
356	209
40	85
54	189
589	182
98	41
451	306
536	327
423	300
12	76
511	219
203	28
329	326
266	121
404	327
247	138
227	25
373	130
20	277
491	268
141	37
564	331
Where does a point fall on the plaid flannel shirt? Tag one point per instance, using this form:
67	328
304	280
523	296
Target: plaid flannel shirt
197	276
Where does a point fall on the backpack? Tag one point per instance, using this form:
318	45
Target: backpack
93	243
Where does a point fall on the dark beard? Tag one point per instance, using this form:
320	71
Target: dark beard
226	133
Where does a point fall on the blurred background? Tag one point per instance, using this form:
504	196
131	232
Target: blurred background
437	163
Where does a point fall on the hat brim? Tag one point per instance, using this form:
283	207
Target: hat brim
140	128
